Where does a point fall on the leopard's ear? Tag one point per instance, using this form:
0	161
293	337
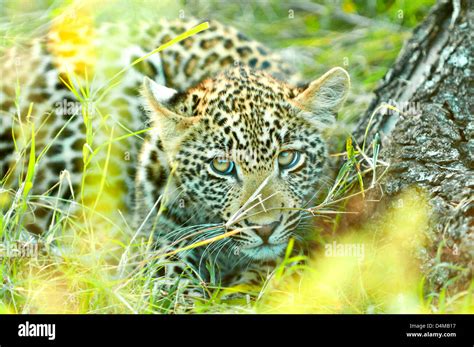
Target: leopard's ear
159	105
323	97
156	93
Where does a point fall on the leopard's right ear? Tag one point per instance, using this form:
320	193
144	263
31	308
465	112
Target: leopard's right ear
156	94
158	103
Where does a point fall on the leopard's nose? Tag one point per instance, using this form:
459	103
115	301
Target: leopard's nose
266	230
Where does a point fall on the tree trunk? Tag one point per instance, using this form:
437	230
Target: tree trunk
429	141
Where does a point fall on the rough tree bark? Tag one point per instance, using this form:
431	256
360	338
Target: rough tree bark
431	145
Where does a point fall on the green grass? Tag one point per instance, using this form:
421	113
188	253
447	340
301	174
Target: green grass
92	261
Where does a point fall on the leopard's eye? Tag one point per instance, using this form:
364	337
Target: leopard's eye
222	166
288	159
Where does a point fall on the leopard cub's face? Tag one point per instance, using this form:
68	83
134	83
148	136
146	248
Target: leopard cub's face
247	150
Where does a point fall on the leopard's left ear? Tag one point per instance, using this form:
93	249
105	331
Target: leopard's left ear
323	97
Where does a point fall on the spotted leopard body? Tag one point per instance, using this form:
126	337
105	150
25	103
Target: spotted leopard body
217	94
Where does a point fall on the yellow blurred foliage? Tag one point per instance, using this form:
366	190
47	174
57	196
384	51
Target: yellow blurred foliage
369	270
71	39
5	199
48	290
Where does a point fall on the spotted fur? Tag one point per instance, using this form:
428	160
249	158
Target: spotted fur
248	117
225	96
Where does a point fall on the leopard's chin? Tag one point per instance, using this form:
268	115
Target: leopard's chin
265	251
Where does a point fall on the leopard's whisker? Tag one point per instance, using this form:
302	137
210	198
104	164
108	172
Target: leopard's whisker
200	231
260	202
206	241
242	210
